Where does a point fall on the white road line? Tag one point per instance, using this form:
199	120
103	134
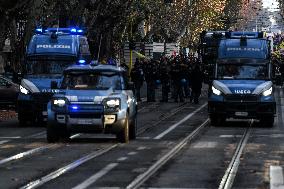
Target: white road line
96	176
276	177
122	158
24	154
67	168
29	152
230	136
132	153
141	148
12	137
178	123
4	141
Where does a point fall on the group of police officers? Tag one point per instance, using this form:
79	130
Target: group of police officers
181	76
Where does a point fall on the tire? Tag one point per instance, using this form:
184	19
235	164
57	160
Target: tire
52	133
216	120
267	121
123	135
133	129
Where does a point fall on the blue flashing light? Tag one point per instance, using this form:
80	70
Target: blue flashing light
73	30
39	30
82	61
80	31
74	107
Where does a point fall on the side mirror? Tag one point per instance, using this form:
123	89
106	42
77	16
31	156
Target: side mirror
53	85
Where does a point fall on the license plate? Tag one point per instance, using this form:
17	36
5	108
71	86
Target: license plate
241	113
85	121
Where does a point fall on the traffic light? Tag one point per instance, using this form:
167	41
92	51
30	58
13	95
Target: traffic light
132	45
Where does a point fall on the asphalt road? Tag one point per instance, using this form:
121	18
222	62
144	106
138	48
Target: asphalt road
176	148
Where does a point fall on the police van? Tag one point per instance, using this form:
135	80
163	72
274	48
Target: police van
49	52
93	99
242	87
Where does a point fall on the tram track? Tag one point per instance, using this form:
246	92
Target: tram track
140	179
231	172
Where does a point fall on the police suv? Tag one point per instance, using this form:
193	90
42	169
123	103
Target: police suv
49	52
93	99
242	86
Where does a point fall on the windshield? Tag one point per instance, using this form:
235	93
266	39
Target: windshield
47	66
96	80
242	71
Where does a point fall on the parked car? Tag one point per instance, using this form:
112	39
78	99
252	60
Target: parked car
8	93
93	99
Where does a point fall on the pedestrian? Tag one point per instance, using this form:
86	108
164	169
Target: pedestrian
196	78
150	72
137	77
164	76
177	80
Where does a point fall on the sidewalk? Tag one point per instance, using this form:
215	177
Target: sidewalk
7	114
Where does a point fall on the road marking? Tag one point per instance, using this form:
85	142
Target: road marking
4	141
24	154
29	152
122	158
142	148
96	176
205	145
67	168
178	123
132	153
276	177
230	136
12	137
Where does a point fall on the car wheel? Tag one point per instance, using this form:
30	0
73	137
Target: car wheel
52	133
267	121
123	135
133	129
216	120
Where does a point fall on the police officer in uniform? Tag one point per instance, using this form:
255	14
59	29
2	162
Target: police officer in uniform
137	76
150	72
165	78
196	79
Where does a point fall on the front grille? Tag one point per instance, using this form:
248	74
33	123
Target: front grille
241	98
86	108
240	107
85	115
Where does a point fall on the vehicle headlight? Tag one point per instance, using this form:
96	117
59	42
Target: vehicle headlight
59	102
267	92
24	90
112	103
216	91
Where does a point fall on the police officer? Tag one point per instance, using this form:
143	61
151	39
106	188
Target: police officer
196	78
177	80
150	73
137	76
165	78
